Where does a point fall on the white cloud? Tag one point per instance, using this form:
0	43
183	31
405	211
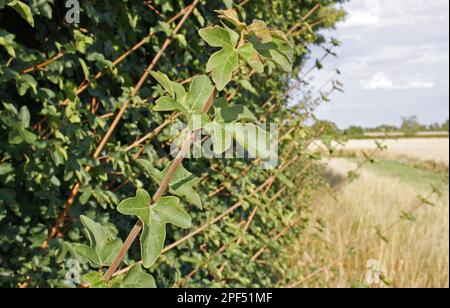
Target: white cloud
429	54
381	81
360	18
372	15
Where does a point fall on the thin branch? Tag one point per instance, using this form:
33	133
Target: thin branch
41	66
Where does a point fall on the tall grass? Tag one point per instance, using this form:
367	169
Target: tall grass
344	238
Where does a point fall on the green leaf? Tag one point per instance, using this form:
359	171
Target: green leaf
182	182
19	135
95	281
200	92
180	91
228	113
198	120
251	56
102	249
283	45
285	180
7	41
222	64
166	103
231	16
165	82
228	3
219	37
136	278
281	60
154	218
222	135
86	195
277	50
24	116
248	86
82	41
24	83
260	29
23	10
85	69
96	232
91	278
6	168
2	213
138	206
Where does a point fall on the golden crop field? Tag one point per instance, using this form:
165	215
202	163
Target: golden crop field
419	149
362	222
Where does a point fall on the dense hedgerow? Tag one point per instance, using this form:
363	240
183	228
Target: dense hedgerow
49	134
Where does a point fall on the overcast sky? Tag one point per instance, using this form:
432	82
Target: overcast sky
394	61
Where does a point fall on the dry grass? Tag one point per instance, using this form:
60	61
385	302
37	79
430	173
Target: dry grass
427	150
344	236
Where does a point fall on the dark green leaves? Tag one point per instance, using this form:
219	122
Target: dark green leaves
19	132
103	248
154	218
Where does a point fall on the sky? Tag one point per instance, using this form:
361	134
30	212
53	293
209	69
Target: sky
394	61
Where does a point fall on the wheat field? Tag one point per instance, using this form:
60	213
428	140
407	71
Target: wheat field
410	149
343	237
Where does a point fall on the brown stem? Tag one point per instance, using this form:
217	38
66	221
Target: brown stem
41	66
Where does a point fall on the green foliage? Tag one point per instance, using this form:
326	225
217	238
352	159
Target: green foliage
154	219
20	7
49	130
182	182
103	249
136	278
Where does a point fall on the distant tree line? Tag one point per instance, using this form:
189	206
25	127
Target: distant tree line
410	127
